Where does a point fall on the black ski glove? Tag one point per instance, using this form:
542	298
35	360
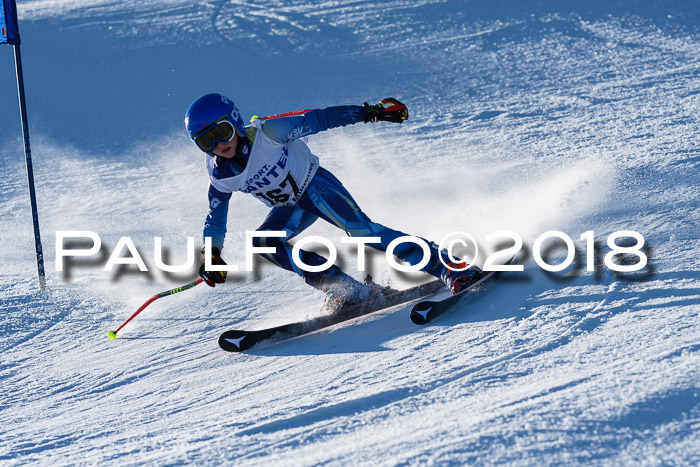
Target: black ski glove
213	277
388	109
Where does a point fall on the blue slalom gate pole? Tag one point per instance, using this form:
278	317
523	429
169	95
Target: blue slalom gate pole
30	169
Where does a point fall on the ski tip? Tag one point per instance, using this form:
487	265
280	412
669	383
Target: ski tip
232	341
419	312
112	334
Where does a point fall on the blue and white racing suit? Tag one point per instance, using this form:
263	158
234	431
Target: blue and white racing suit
276	166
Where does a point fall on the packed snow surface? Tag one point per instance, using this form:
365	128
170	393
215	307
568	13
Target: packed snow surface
525	116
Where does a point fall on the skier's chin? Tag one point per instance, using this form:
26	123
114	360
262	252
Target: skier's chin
226	153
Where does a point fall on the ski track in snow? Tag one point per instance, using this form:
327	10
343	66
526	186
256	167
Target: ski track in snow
523	117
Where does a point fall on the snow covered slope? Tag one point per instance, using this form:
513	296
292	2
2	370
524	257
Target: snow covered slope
527	116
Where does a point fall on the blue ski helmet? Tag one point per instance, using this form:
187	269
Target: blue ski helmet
208	110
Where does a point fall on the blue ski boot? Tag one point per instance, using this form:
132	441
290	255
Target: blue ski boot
458	280
341	290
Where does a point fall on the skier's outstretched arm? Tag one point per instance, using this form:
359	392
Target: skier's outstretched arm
286	129
215	227
215	223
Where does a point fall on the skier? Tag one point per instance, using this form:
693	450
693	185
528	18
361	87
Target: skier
269	160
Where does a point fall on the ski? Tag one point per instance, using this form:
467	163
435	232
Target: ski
242	340
427	310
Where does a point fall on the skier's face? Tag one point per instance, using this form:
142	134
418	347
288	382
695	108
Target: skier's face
226	150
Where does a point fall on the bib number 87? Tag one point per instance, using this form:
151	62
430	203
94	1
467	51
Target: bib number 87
280	195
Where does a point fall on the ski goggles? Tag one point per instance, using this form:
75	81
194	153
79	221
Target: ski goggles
222	131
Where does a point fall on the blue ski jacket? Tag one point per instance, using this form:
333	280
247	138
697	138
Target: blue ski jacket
272	163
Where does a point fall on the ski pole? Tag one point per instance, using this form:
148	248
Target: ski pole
113	334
